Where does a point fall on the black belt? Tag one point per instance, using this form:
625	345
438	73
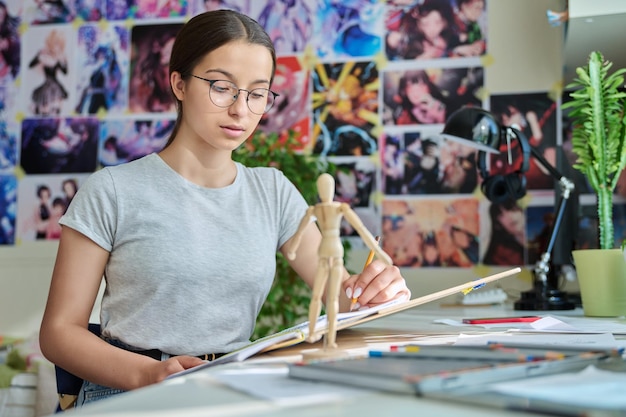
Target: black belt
157	354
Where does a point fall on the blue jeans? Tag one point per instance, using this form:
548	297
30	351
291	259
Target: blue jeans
91	392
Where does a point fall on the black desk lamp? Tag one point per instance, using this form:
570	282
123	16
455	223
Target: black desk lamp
480	130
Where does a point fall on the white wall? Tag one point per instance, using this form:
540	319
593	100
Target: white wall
582	8
25	272
524	55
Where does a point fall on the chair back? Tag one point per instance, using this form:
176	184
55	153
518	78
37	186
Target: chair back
69	385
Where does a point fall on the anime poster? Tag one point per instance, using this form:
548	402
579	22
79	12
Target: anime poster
117	9
90	10
46	56
503	231
431	232
40	12
59	145
345	108
587	234
539	226
8	99
432	29
292	107
43	199
580	181
288	23
619	221
356	185
429	96
533	114
200	6
155	9
349	28
541	216
9	40
126	140
8	145
8	209
102	59
149	86
421	162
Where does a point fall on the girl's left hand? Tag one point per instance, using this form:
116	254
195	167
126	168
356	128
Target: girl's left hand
377	284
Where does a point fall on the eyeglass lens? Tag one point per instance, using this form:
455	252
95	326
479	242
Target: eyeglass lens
224	93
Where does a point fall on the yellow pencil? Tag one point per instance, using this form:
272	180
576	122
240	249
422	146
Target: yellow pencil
370	258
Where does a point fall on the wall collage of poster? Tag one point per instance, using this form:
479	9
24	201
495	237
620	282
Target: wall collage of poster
367	84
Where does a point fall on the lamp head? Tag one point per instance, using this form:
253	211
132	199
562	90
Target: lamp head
474	127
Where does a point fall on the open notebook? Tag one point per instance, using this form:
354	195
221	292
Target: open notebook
289	337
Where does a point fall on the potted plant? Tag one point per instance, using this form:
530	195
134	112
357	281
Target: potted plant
599	143
288	301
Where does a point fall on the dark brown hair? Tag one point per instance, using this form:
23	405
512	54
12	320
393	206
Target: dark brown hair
206	32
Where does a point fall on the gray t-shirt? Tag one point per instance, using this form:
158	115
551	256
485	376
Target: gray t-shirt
189	267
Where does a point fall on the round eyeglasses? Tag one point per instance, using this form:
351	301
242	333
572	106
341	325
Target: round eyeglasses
224	93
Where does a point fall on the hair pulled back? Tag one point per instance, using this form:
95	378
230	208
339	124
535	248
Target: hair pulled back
207	32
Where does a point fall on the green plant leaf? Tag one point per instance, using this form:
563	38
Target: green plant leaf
599	133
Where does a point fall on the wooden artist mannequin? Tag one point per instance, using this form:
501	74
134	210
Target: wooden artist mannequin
330	271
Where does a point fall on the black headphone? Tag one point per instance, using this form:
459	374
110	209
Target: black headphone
500	188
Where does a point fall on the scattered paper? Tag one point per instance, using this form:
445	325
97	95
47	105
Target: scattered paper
590	324
603	341
551	324
274	384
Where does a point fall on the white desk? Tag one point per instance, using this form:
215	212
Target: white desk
201	395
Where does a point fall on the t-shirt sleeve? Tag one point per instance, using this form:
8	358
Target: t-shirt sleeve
93	211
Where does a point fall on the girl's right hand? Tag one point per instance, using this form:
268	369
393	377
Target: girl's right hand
162	369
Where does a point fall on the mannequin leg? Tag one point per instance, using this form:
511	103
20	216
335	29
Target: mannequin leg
316	299
332	301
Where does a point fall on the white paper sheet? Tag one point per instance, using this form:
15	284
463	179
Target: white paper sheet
552	324
604	341
273	383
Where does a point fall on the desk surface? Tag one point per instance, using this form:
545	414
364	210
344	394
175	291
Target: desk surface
198	394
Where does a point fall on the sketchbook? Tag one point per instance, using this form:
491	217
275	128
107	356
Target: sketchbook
354	318
421	374
300	332
396	307
288	337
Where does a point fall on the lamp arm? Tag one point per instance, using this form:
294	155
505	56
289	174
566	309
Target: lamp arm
542	267
544	163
